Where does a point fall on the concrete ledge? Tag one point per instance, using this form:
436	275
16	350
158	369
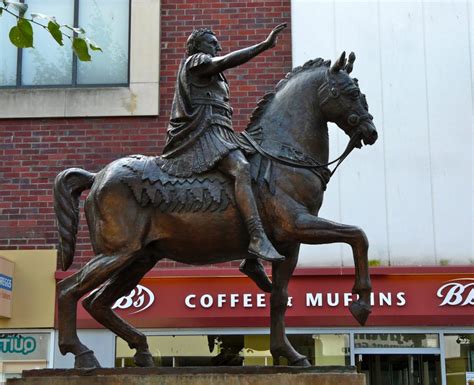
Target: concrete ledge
275	375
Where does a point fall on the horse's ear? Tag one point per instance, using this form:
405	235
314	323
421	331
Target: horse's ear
339	64
350	64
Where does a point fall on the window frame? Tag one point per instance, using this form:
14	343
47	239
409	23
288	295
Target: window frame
74	84
139	97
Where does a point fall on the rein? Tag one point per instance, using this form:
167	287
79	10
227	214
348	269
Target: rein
294	163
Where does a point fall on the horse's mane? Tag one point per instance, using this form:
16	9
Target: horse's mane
268	97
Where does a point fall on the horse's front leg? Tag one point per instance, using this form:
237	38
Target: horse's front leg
279	344
314	230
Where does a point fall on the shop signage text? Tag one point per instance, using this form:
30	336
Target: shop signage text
459	292
15	343
140	298
6	282
249	300
6	287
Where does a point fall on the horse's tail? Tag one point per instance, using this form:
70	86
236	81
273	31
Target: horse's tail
68	186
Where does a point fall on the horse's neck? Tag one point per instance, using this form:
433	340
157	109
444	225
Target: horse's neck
294	119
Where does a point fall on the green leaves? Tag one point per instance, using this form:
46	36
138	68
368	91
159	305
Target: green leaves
79	45
93	46
54	30
21	35
53	27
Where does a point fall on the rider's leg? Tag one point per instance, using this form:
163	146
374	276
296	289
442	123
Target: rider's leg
238	168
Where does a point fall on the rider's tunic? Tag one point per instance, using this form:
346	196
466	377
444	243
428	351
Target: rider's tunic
200	131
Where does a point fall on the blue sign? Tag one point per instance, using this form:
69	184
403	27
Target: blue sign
6	282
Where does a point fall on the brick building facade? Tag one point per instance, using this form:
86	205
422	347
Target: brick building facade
34	151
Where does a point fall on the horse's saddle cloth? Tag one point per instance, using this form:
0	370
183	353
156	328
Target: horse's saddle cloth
152	186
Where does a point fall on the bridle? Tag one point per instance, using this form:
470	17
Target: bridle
313	164
329	91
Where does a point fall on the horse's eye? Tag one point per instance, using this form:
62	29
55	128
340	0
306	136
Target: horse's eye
355	94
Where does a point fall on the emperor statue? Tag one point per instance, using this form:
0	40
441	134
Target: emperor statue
200	136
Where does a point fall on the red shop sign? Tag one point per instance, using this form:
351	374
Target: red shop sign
318	297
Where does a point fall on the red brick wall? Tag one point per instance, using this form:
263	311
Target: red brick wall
33	151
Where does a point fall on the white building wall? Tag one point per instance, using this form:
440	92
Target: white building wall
412	191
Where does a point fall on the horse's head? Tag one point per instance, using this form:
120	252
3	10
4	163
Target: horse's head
342	102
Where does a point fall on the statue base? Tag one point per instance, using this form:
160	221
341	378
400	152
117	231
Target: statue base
229	375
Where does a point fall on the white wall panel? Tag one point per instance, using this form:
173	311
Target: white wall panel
409	202
450	123
412	191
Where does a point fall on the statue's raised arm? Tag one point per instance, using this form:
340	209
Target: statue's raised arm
216	64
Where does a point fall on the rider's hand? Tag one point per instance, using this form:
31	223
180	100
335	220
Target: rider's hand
272	38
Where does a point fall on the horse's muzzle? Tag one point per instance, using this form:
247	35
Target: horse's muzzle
368	132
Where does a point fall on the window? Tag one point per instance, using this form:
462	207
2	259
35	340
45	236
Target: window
459	357
49	81
23	351
106	22
236	350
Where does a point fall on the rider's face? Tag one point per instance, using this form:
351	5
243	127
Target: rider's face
209	44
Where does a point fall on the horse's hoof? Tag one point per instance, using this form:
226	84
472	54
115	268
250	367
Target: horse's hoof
144	359
360	312
86	360
303	361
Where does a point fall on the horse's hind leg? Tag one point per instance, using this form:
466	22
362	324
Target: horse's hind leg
70	290
279	344
99	304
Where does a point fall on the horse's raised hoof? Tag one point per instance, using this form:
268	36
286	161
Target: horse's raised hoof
144	359
360	312
86	360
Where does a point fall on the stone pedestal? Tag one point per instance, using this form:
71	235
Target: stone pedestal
251	375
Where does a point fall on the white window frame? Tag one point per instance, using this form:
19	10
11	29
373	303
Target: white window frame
140	98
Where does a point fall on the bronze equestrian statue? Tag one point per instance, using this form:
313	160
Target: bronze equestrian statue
142	209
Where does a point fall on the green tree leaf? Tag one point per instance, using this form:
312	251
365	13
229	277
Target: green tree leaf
20	7
21	35
55	32
79	45
92	45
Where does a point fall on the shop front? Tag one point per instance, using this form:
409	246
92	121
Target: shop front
27	290
421	330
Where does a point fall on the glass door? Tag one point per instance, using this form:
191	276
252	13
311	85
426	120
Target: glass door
400	369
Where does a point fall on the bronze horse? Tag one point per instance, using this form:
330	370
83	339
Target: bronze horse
137	215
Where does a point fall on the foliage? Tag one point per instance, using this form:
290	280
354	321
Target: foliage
375	262
21	35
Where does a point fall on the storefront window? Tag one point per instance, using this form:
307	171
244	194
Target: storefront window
459	350
396	340
22	351
236	350
331	349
